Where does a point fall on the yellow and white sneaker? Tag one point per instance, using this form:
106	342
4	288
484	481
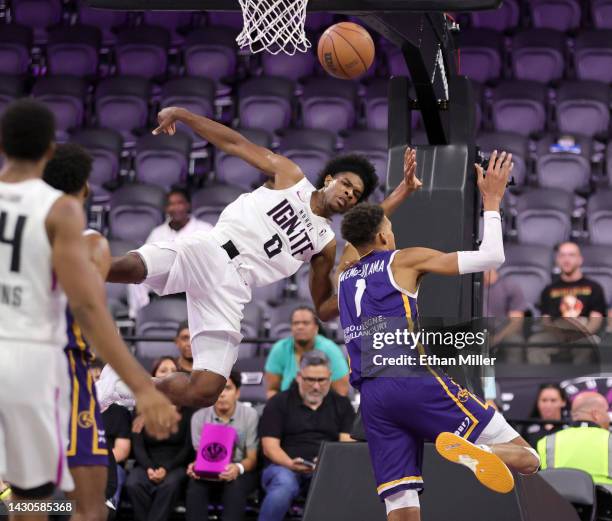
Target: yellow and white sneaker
490	470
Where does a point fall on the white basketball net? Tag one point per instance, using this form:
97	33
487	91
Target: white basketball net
274	25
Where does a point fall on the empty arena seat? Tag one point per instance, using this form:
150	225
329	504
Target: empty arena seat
232	170
329	103
593	55
562	15
253	388
597	265
64	96
175	22
74	50
568	171
108	21
529	266
574	485
501	19
122	103
265	103
135	209
208	202
538	55
543	216
162	160
159	318
224	20
39	15
11	87
271	294
599	217
481	54
295	67
396	63
104	145
609	163
516	144
310	149
583	107
376	104
602	13
210	52
250	327
519	107
15	43
372	144
142	51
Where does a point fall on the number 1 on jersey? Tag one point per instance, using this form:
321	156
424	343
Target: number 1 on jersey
360	284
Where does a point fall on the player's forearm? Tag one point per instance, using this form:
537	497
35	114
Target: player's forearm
215	133
328	309
395	198
490	255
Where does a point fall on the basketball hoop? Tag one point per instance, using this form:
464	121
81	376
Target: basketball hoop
274	25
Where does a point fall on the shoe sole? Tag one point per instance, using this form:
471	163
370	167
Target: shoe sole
490	470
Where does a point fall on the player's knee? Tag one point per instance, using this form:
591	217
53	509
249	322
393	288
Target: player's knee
402	499
531	461
40	492
205	388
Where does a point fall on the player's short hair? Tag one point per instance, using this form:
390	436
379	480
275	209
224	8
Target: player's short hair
27	130
182	325
69	168
236	378
356	163
361	223
181	191
314	358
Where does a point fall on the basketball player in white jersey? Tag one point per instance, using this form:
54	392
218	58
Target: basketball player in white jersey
43	260
262	237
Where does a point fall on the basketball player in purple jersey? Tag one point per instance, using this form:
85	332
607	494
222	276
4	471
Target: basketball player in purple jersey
400	412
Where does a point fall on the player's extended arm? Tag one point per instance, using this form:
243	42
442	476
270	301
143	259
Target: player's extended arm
409	184
321	287
77	275
99	252
285	171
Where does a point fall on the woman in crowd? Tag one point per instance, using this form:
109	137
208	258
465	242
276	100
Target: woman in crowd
551	404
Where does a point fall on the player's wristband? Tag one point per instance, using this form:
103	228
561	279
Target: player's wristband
240	468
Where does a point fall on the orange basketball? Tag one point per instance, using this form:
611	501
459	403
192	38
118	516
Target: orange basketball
346	50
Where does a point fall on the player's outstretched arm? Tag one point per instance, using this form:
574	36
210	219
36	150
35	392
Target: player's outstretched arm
285	171
321	287
77	276
409	184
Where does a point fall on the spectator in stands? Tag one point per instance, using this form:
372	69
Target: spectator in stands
294	424
284	357
586	444
572	296
163	366
550	404
95	368
117	421
178	224
239	478
183	342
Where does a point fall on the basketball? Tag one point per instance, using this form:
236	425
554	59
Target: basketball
346	50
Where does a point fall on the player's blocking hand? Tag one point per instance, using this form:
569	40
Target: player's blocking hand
493	185
167	121
160	416
410	178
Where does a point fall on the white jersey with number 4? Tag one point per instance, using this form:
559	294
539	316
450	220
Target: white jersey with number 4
275	231
32	305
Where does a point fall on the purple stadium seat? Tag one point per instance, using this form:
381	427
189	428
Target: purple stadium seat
265	103
175	22
210	52
74	50
232	170
563	170
208	202
376	104
11	87
478	100
122	104
162	160
501	19
159	318
519	106
562	15
608	162
516	144
372	144
538	55
395	61
529	266
597	265
195	94
310	149
39	15
142	51
329	103
105	146
135	209
109	22
233	20
293	67
599	217
543	216
318	21
481	54
593	55
602	13
63	95
583	107
15	43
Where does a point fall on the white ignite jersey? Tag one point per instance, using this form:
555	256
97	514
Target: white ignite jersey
32	305
275	231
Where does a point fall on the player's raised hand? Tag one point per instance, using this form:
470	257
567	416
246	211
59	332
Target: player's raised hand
160	416
410	179
167	121
492	184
